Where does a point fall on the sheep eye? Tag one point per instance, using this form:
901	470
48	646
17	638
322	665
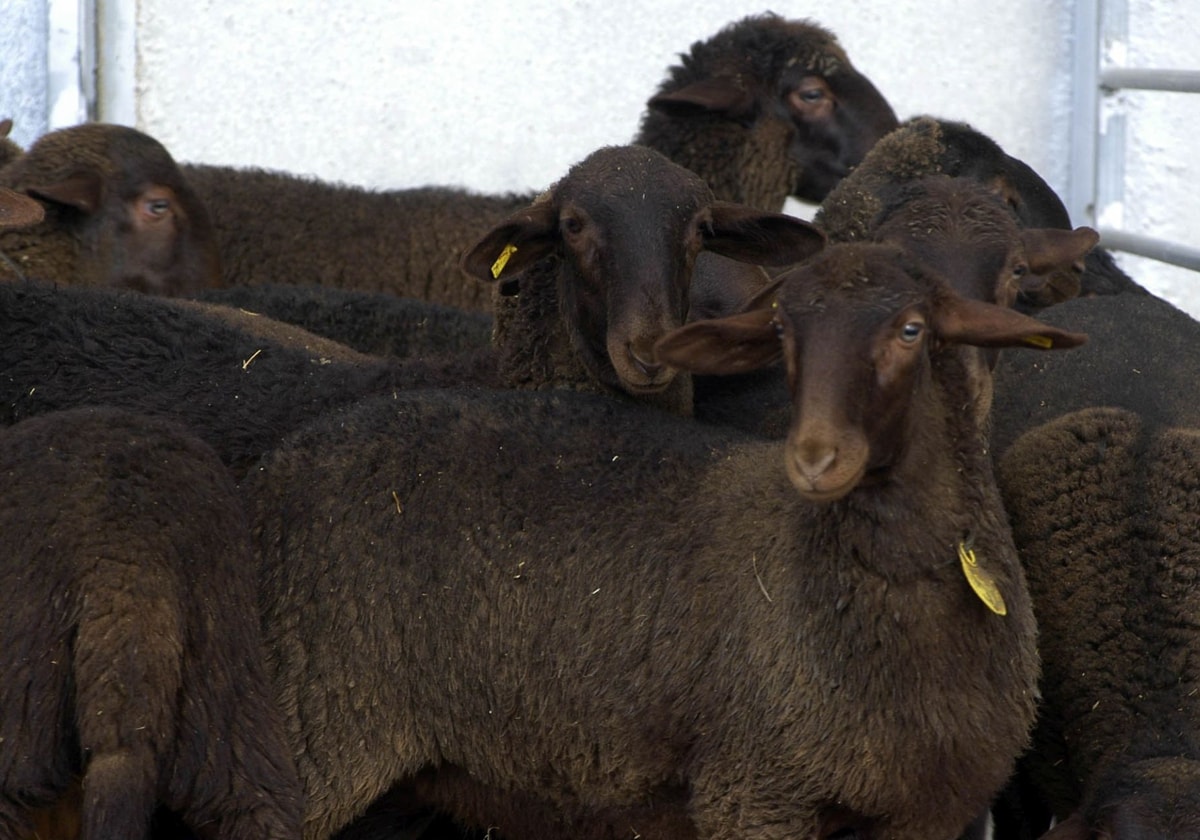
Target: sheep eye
911	331
1021	270
158	207
778	325
812	95
572	226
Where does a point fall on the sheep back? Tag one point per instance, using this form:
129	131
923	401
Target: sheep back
375	323
1105	509
229	376
275	227
1142	357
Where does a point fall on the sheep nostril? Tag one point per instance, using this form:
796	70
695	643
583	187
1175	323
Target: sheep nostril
647	366
812	463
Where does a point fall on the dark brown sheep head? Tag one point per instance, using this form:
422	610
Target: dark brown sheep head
781	100
863	333
618	236
115	196
924	147
1153	799
964	230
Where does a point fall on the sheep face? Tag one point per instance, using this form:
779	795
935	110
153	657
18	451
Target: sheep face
779	95
861	332
119	196
963	230
1154	798
621	233
837	119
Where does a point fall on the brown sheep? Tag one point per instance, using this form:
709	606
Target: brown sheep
927	146
957	228
594	272
767	108
118	213
562	615
132	657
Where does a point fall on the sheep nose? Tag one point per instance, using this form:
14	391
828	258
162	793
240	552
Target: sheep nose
813	461
647	366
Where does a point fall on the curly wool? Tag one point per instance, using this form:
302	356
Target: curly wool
1105	509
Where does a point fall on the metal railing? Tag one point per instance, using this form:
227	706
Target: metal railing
1097	164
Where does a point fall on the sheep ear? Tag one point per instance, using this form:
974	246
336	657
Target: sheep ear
1051	249
82	191
1055	258
964	321
6	125
720	95
18	210
748	235
513	245
735	344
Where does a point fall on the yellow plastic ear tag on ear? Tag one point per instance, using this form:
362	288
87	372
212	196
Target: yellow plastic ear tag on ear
502	260
1039	341
981	582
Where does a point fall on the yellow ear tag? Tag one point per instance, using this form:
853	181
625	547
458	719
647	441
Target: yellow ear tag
981	582
1039	341
502	260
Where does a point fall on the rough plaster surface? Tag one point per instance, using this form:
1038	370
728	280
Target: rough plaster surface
23	30
507	96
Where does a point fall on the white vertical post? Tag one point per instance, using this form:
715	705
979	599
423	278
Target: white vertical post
116	61
69	57
1085	112
1110	169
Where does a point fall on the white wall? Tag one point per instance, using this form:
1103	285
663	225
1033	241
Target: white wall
23	65
507	95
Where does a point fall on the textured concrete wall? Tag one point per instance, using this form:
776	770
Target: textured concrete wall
507	95
23	83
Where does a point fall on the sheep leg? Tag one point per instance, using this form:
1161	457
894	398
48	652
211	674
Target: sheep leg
127	669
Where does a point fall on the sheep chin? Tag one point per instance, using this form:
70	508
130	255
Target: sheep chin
652	386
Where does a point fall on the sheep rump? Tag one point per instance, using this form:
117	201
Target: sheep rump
132	654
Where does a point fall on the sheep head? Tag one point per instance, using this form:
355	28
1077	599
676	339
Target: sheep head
118	198
1151	799
618	238
776	100
864	334
963	230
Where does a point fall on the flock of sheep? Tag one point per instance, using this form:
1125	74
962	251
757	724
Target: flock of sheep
634	508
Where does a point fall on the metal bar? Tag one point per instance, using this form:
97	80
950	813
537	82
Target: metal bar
1085	113
1148	246
116	61
1122	78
